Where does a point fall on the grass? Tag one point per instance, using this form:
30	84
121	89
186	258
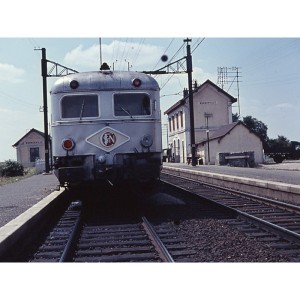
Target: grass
27	173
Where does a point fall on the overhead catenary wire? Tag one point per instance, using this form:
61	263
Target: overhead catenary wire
197	45
138	51
170	61
159	60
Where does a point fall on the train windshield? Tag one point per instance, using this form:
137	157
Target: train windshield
80	106
132	104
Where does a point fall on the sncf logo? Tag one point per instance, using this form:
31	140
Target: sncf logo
108	139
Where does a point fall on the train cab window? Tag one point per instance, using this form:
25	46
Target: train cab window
132	104
80	106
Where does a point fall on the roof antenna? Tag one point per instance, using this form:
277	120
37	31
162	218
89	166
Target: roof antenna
100	46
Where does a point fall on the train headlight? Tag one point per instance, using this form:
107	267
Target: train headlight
74	84
101	159
68	144
147	141
136	82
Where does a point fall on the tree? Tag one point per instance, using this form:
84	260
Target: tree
257	126
235	117
281	144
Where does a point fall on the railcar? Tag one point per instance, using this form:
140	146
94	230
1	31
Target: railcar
106	126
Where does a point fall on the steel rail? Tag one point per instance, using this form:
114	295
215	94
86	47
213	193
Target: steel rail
66	255
291	235
158	244
236	192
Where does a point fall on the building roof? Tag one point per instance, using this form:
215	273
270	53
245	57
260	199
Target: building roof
224	130
29	132
196	90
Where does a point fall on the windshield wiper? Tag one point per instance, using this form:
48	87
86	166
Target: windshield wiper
127	112
82	108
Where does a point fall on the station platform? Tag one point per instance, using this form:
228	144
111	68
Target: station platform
276	181
287	172
17	197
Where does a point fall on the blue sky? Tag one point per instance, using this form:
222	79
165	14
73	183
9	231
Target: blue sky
262	43
269	84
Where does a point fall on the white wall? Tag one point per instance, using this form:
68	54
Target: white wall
239	139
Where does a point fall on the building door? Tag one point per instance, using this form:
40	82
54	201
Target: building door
183	157
34	154
178	152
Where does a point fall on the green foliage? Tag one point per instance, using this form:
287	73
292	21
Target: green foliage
235	117
12	168
281	144
257	126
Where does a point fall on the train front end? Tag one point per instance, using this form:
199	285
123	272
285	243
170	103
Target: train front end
106	126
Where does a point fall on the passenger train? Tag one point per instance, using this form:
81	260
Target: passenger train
106	126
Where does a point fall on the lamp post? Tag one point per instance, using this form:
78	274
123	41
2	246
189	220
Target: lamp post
208	154
207	115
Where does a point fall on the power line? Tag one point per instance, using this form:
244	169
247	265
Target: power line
138	51
159	60
198	45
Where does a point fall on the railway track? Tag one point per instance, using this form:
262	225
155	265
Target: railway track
276	223
76	240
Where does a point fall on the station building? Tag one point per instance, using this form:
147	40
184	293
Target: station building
30	147
214	130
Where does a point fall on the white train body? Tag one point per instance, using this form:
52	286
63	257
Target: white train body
106	125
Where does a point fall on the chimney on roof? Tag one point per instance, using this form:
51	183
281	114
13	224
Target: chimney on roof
195	84
185	92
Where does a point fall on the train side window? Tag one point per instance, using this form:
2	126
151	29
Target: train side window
79	106
132	104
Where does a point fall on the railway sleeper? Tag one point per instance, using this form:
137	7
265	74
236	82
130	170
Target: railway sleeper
120	258
116	243
113	251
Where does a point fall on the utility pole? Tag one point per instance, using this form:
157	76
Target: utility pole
45	109
56	70
177	67
191	100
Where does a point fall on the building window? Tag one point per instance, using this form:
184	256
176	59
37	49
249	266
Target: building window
173	123
181	119
170	125
34	154
177	121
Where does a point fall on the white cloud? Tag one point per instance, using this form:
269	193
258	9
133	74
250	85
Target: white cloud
139	56
284	105
10	73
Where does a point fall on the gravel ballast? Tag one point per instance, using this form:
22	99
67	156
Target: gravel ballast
216	241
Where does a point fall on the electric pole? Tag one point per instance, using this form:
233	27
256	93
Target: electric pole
56	70
45	109
189	68
177	67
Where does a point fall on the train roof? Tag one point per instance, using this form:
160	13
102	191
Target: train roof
104	80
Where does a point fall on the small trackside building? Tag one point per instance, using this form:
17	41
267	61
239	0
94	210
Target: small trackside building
30	147
235	138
